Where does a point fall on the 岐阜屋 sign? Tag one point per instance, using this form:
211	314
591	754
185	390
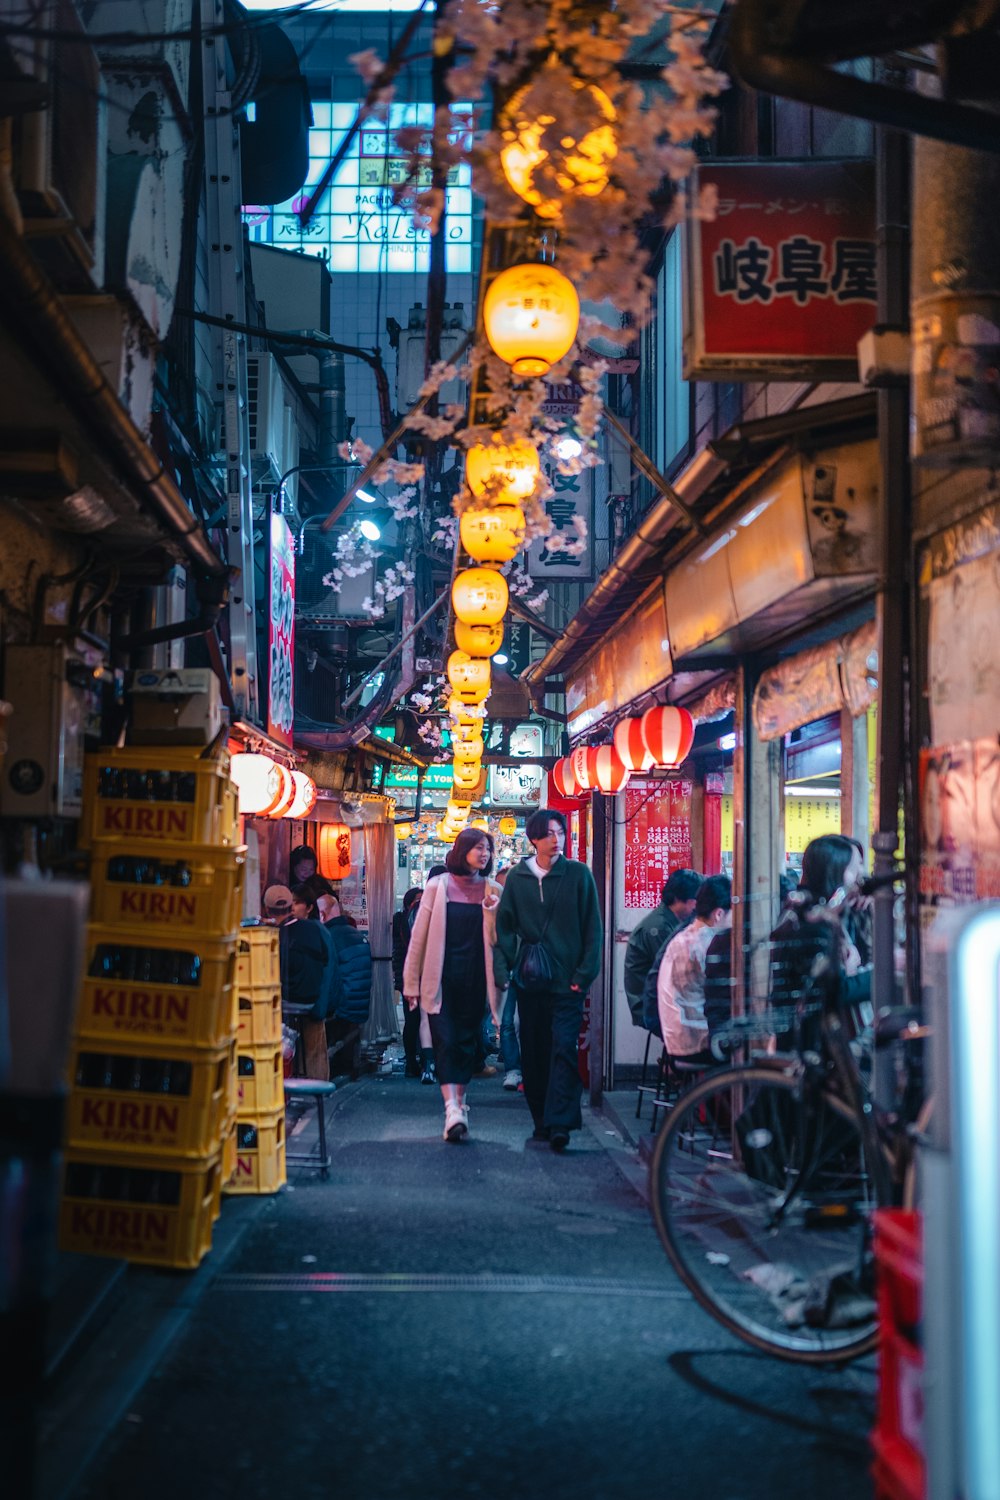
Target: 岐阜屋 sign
781	283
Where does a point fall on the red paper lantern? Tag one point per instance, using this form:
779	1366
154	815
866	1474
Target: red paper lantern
580	767
334	851
628	742
607	773
563	779
668	734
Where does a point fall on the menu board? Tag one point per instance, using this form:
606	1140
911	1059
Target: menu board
657	838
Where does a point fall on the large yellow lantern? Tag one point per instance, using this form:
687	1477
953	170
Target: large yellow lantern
508	826
445	834
482	824
506	472
471	749
493	535
478	640
404	831
531	313
464	715
479	596
467	777
468	674
572	163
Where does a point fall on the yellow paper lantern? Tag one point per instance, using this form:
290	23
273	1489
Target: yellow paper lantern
467	775
478	640
483	824
466	750
508	826
531	313
334	851
493	535
445	834
505	472
404	831
575	164
466	673
479	596
464	715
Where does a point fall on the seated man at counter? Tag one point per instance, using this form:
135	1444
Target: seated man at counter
680	985
650	936
303	955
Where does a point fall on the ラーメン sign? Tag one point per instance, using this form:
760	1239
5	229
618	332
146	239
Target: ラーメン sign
781	283
281	633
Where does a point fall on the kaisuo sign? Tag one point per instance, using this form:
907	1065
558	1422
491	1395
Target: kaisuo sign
781	283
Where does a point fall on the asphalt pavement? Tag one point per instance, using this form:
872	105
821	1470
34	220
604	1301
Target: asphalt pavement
450	1321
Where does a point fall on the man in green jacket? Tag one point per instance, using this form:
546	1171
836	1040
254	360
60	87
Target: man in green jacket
675	908
551	900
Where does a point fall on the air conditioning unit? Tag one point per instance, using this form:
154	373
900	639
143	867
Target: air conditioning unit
266	410
412	352
60	154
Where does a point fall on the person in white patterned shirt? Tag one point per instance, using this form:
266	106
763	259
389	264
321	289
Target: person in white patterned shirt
680	985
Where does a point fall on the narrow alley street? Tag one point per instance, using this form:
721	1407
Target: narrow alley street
478	1320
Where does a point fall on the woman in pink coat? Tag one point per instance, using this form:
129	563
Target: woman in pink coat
449	967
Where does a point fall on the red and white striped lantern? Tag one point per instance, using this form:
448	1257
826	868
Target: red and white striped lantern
629	743
563	779
607	773
668	734
580	766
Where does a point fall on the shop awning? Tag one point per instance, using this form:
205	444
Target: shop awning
712	485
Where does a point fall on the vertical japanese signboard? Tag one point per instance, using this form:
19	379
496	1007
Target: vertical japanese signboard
573	496
657	838
281	633
781	283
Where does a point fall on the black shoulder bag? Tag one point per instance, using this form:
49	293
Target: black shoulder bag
533	965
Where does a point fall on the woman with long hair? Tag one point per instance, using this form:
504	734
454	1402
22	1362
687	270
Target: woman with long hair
812	951
448	970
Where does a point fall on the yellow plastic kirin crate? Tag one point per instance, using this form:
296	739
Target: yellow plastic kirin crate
152	794
232	1082
228	1150
259	1023
258	968
260	1155
260	1080
159	1103
180	887
159	1212
159	988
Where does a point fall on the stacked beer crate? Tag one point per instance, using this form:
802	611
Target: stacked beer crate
153	1062
259	1139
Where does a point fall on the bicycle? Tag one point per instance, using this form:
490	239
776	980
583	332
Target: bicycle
765	1177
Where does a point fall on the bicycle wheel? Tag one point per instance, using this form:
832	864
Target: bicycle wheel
762	1201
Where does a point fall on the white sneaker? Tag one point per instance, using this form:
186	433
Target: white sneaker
456	1122
512	1078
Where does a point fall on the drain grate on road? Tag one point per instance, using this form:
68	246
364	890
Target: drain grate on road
391	1282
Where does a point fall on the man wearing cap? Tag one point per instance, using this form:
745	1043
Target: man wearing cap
303	954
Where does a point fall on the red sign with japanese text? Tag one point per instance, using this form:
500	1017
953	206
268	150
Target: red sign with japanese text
782	280
657	838
281	633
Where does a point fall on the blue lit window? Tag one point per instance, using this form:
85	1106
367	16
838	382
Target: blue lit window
356	226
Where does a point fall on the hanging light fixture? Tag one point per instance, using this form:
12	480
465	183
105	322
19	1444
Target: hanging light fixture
630	746
305	796
505	472
463	715
466	775
508	827
531	314
563	779
668	734
469	676
403	832
478	640
286	797
258	783
607	772
572	163
479	596
494	535
334	851
466	750
580	766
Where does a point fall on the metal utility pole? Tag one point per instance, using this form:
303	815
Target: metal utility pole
892	170
227	290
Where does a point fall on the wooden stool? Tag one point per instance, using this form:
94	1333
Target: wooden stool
311	1088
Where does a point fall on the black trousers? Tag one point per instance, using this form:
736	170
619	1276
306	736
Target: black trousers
411	1034
550	1035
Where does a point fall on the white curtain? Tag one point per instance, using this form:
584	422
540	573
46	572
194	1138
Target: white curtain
380	848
